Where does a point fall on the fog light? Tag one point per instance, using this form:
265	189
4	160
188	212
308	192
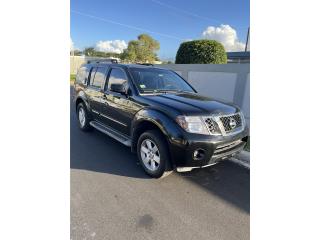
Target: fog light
198	154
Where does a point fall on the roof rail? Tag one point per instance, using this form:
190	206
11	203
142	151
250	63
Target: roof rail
102	61
146	64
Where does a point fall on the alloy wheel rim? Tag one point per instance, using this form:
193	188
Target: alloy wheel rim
150	155
82	117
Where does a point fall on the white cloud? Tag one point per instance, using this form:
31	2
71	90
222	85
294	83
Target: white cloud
114	46
225	35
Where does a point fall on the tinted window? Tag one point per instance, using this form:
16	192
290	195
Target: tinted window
117	76
81	75
99	77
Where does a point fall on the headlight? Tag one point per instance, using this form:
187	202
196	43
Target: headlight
192	124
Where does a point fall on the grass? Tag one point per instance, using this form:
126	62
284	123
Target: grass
247	146
72	78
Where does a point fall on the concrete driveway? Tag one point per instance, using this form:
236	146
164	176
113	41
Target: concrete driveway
112	198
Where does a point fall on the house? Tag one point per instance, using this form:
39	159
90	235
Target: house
238	57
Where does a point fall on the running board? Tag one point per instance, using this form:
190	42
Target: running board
111	133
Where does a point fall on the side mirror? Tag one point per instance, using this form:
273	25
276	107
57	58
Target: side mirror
119	88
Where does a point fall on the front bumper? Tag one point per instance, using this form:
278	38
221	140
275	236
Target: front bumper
214	149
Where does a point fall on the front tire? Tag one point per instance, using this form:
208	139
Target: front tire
83	117
153	154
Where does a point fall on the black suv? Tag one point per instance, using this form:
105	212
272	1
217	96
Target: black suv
159	115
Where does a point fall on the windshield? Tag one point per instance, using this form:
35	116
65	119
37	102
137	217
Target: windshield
158	80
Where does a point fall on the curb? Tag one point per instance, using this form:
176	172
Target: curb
242	159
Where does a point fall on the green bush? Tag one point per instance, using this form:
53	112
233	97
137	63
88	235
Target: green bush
201	52
72	77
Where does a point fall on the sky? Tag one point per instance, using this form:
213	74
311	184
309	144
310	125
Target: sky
108	25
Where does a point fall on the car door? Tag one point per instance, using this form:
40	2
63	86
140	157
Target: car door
118	109
94	91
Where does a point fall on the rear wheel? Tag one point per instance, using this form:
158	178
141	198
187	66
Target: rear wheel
83	117
153	154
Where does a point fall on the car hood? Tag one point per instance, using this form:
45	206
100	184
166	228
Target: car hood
193	104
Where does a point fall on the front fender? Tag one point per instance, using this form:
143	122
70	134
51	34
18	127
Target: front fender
170	129
165	123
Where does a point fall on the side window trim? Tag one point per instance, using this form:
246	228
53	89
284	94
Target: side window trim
91	77
105	86
86	79
106	73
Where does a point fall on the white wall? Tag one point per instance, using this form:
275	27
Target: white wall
214	84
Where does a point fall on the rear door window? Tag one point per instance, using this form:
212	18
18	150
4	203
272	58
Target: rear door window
99	77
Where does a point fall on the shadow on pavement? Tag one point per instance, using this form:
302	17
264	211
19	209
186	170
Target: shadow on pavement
97	152
226	180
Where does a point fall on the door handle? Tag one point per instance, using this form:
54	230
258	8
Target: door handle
104	99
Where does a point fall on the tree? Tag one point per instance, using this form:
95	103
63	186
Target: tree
201	52
141	50
130	54
92	52
89	51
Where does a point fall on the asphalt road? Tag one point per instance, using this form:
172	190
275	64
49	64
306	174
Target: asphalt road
112	198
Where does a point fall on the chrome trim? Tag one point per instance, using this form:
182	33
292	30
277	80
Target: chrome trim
94	111
188	169
234	131
208	130
217	117
123	124
229	144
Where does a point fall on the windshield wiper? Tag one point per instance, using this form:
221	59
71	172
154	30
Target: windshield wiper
164	91
160	91
156	91
167	90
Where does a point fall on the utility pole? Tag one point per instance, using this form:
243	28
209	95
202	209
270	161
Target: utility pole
247	39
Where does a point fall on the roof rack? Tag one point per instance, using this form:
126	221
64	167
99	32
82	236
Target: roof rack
102	61
146	64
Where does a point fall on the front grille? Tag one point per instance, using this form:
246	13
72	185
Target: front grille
211	125
231	122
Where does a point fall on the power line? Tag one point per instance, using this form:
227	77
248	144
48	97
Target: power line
184	11
189	13
126	25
